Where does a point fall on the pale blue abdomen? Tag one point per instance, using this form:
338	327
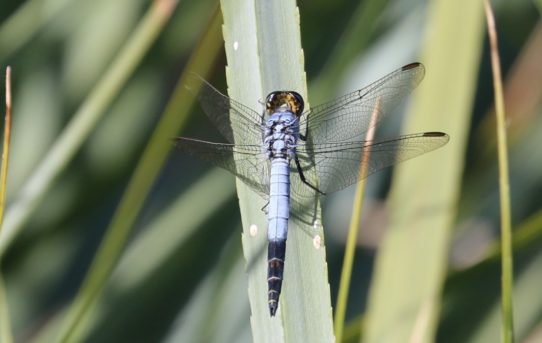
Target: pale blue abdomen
279	200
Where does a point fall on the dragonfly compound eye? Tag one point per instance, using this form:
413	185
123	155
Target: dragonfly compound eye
296	103
271	102
282	101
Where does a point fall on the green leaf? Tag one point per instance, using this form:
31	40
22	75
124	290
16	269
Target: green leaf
263	49
411	266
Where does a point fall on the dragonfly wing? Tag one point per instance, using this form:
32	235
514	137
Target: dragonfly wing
348	117
339	165
247	162
230	117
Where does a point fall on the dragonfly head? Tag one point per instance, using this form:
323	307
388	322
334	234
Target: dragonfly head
282	101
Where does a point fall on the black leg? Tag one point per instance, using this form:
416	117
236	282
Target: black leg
264	208
304	136
300	171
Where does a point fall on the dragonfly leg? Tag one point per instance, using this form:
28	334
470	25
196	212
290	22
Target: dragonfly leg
303	137
303	179
264	207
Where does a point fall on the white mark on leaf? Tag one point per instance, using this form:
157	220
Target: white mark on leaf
317	242
253	229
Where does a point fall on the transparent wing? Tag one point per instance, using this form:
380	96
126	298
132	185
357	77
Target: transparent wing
348	117
230	117
247	162
341	164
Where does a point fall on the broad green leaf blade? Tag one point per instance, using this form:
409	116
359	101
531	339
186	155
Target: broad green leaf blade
264	53
405	294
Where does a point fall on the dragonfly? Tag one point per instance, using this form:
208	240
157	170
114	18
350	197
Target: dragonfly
290	156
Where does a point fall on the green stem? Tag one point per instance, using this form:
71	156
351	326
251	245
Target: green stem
507	278
353	233
5	325
348	262
5	147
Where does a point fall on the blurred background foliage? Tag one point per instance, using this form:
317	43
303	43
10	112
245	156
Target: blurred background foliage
181	277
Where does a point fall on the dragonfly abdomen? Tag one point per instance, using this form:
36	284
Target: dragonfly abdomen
278	214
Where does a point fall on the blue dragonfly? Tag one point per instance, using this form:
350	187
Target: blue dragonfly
290	157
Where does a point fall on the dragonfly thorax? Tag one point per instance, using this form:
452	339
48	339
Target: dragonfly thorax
281	134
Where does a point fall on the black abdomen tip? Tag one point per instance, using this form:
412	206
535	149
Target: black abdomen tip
275	269
273	305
